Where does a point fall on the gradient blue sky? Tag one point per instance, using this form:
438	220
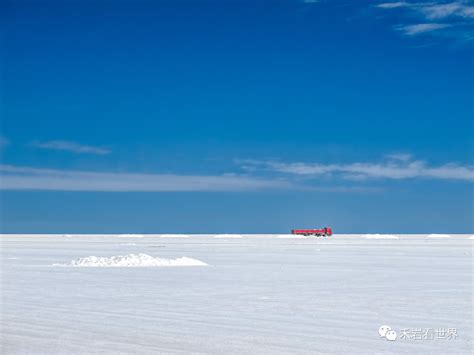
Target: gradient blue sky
235	116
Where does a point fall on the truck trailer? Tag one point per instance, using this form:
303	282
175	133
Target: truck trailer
325	232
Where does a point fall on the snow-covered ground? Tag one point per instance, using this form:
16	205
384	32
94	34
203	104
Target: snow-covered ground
257	294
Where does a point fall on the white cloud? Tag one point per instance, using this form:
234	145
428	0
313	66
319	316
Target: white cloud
456	16
392	5
395	169
71	147
441	10
434	10
26	178
412	30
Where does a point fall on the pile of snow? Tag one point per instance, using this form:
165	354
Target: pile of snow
174	236
131	260
130	236
67	235
128	244
471	237
438	236
227	236
380	236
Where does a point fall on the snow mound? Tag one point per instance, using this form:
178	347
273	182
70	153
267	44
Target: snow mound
471	237
128	244
130	236
67	235
438	236
380	236
131	260
291	236
174	236
227	236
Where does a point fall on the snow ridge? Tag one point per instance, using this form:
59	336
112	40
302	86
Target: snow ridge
438	236
380	236
174	236
227	236
131	260
291	236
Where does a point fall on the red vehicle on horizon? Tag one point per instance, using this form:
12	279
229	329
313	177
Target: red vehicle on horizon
325	232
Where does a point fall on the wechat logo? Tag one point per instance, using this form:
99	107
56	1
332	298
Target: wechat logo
386	332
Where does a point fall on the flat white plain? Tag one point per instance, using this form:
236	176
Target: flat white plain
258	294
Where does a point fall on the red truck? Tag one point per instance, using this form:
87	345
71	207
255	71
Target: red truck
325	232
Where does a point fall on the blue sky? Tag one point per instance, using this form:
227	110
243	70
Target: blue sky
234	116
